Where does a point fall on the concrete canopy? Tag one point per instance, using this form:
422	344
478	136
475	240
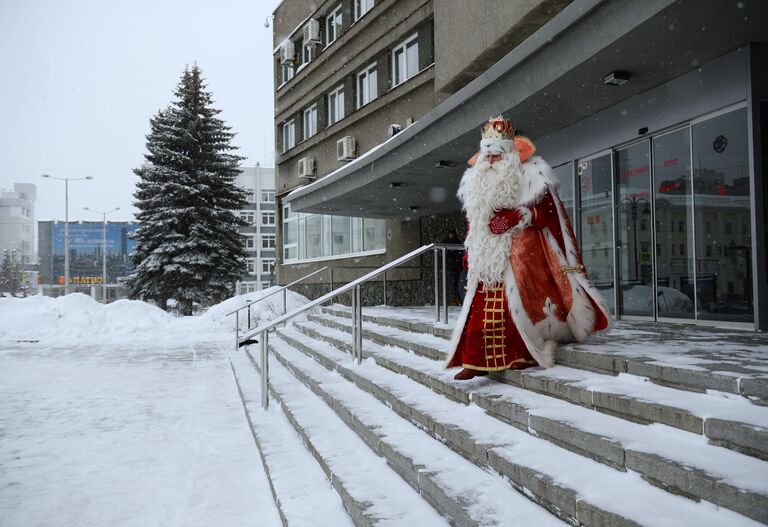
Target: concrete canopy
550	81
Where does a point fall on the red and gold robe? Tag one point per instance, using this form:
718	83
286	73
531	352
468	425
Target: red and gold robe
546	297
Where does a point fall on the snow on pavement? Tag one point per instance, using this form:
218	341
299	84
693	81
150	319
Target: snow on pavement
123	415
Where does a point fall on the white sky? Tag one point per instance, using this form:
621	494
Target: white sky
81	78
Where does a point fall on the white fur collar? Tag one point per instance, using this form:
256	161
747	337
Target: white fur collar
537	176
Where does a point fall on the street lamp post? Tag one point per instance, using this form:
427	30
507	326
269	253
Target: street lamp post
103	249
66	181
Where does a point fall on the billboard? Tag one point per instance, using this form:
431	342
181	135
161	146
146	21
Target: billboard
86	247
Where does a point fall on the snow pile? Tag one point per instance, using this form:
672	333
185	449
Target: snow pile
78	319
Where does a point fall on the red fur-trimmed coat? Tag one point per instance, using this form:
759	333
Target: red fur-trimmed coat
550	298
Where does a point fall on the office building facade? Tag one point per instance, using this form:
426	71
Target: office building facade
260	238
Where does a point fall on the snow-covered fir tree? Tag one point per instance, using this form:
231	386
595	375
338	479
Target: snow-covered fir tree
189	248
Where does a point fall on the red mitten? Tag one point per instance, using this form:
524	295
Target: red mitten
504	220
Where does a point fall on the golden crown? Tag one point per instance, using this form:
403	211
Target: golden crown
498	127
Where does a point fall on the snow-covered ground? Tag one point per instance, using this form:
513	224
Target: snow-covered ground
125	415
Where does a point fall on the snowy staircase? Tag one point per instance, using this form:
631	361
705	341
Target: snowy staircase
542	447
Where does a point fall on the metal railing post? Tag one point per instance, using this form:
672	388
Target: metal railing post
445	290
285	301
385	288
359	318
237	330
264	340
437	293
354	321
248	303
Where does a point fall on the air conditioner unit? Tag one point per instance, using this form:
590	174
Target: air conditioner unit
345	148
393	129
311	32
307	168
286	52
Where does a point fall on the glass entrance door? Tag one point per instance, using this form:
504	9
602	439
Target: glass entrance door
596	221
634	231
675	282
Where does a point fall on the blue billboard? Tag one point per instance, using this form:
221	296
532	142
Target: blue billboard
86	248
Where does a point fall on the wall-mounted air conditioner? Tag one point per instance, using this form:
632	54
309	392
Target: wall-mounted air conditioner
287	52
307	168
393	129
345	148
311	32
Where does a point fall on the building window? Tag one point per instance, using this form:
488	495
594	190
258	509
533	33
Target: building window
248	216
362	7
267	195
336	105
268	218
289	135
248	287
266	285
367	89
405	60
250	242
286	73
250	194
267	264
333	25
267	241
308	53
310	121
250	265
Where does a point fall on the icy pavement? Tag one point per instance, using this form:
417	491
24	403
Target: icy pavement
126	434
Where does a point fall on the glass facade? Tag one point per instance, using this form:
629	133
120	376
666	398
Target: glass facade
677	209
318	236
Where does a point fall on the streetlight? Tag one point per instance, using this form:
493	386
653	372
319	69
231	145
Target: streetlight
103	249
66	181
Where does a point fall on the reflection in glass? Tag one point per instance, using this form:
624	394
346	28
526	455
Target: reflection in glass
674	224
373	234
314	236
340	234
723	225
565	174
596	238
634	240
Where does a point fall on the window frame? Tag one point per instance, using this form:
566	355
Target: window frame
309	120
359	13
289	139
246	214
337	104
266	215
335	17
270	193
251	266
366	73
267	264
403	47
266	237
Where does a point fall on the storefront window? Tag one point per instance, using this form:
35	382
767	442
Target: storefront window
674	221
634	243
565	174
340	234
596	216
722	196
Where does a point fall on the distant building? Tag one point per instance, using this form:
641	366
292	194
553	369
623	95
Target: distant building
259	184
17	223
85	249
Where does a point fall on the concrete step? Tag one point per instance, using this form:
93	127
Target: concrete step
724	419
698	373
458	489
579	490
372	493
299	487
672	459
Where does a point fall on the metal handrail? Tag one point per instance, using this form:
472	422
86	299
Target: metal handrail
249	303
357	318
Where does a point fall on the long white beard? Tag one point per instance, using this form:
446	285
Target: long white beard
485	189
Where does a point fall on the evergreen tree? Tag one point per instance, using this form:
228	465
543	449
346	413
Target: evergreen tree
189	247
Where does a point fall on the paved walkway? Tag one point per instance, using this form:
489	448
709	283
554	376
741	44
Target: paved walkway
126	435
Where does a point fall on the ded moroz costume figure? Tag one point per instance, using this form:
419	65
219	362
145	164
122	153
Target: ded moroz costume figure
527	289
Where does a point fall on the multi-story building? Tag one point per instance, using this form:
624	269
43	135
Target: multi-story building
17	223
653	115
260	237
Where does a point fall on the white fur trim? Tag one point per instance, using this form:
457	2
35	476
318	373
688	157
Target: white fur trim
526	218
496	146
537	346
458	329
537	178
